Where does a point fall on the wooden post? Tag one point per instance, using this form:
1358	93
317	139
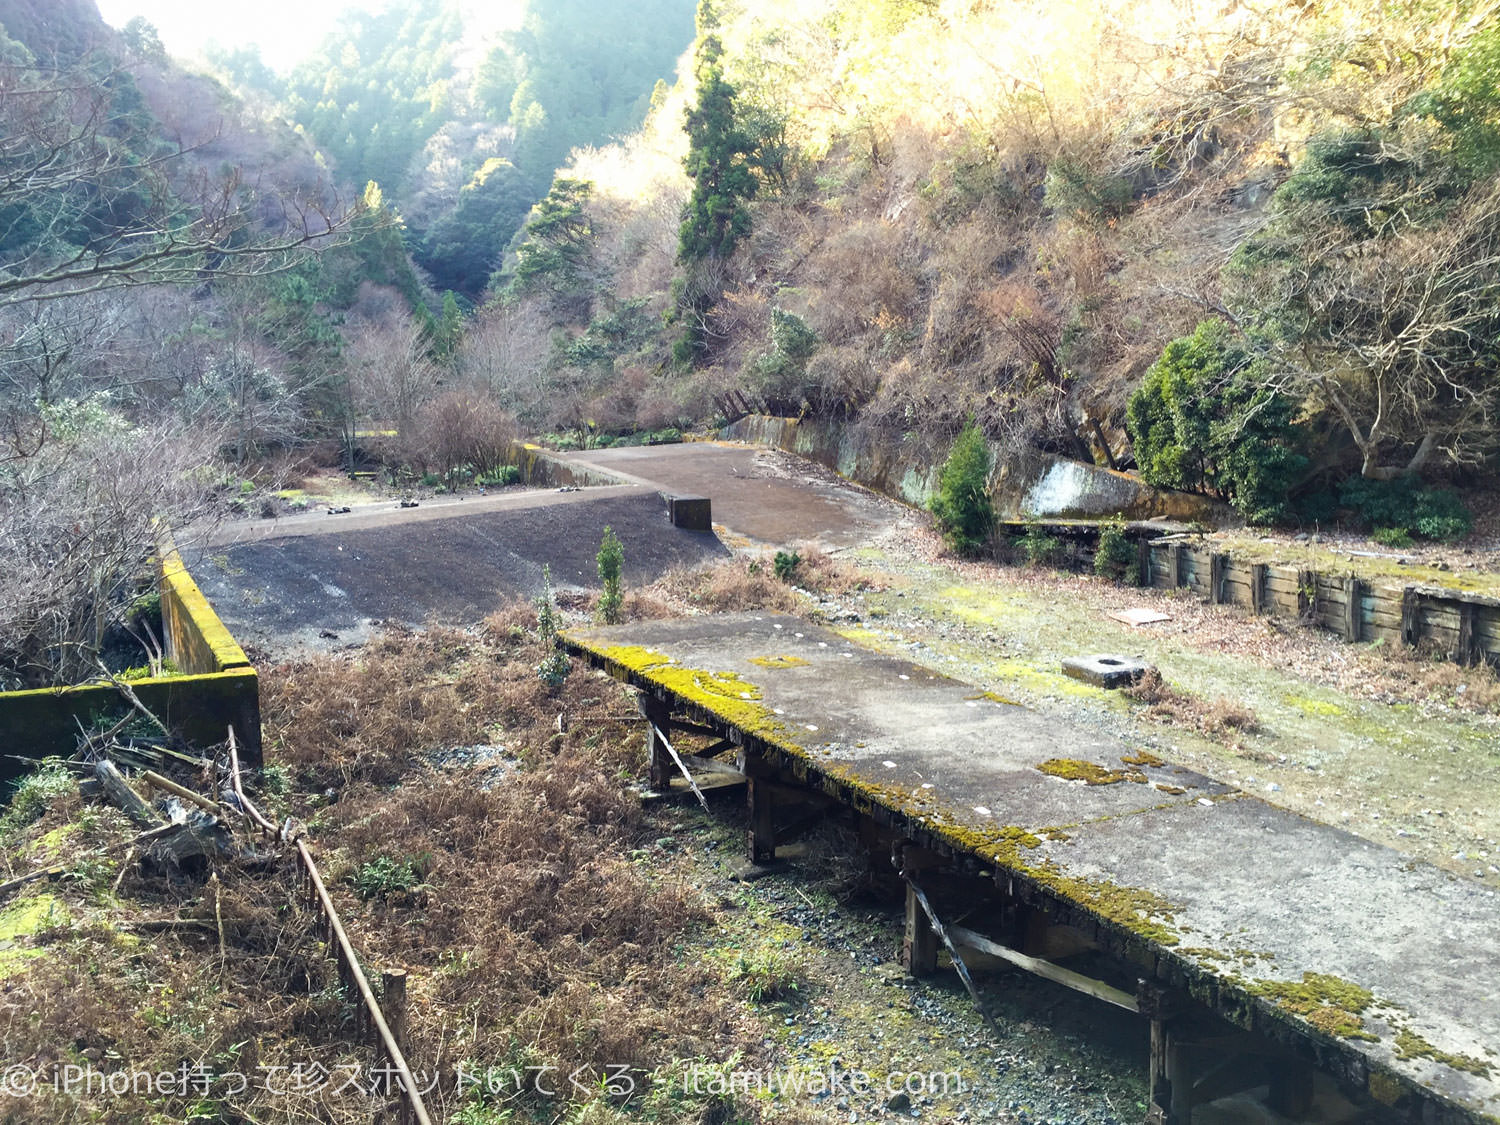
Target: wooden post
1218	562
1354	593
1179	1080
1143	562
658	714
1258	587
919	941
1291	1091
1411	616
393	1004
1175	553
1466	648
1307	595
762	820
1157	1006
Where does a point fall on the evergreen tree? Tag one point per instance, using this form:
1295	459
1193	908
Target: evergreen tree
720	162
962	506
611	560
553	669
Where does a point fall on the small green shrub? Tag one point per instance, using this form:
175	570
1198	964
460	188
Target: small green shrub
1404	505
385	876
554	667
1206	418
1397	537
764	976
611	560
502	477
1040	548
785	564
962	506
34	792
1116	554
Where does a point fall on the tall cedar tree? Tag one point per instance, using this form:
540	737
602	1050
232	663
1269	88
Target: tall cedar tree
718	161
720	164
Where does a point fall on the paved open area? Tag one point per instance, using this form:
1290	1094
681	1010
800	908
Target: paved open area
759	494
1383	961
284	586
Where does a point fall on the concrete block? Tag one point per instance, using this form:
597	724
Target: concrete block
691	513
1105	670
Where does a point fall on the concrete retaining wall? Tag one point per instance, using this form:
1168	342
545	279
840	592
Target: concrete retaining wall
1044	486
220	689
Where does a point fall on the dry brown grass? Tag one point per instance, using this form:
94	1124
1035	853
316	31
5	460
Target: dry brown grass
1221	718
113	995
745	583
339	719
537	938
733	585
1431	676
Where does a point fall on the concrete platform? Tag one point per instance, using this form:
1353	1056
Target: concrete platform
1210	890
762	494
281	589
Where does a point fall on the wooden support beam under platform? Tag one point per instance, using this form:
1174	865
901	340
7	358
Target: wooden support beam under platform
1047	969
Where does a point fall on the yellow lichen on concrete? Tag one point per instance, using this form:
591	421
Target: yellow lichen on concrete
726	694
779	661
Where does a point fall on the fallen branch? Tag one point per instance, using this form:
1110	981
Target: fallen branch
246	805
53	872
122	796
153	778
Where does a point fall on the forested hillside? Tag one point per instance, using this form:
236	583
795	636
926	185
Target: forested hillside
1252	250
905	213
461	129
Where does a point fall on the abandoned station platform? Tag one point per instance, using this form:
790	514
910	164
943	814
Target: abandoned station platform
1259	945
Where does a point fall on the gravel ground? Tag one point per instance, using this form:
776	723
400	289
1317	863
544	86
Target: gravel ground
1059	1059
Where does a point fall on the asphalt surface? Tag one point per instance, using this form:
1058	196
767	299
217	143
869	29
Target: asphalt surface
323	581
1245	891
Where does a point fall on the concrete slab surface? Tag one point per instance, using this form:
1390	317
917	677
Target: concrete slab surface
453	562
761	494
1221	885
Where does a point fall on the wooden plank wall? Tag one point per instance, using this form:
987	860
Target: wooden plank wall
1466	627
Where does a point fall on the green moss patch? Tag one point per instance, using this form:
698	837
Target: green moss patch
1091	773
1331	1004
1410	1045
22	920
1143	758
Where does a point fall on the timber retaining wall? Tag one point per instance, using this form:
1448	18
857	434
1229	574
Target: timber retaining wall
1464	626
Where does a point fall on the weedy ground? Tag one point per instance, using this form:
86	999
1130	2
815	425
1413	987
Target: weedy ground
577	957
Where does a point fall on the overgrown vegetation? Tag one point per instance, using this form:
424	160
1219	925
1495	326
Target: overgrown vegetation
611	560
1116	555
962	505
